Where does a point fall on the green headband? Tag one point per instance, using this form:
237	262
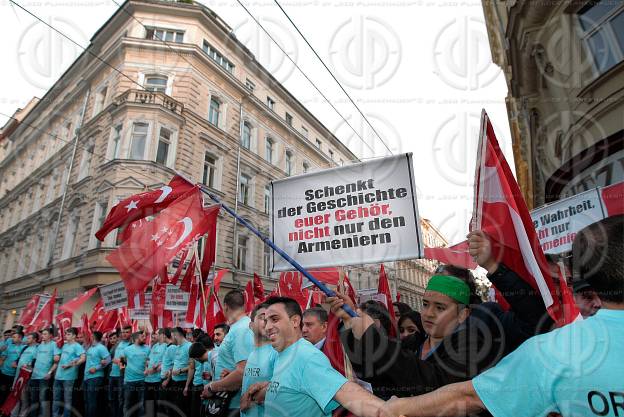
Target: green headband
454	287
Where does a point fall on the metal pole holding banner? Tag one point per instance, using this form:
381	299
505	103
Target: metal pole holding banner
283	254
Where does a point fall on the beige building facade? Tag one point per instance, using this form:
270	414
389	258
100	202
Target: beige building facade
563	62
172	90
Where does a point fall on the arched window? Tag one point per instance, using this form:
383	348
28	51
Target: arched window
289	163
246	139
156	83
268	150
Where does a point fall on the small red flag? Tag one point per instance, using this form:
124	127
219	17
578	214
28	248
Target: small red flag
74	304
214	313
258	289
16	391
384	288
28	314
45	318
249	297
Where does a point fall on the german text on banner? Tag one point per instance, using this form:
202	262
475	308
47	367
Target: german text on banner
357	214
114	296
176	299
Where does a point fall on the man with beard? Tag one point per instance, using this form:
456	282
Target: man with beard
180	370
46	359
98	358
135	358
115	380
72	356
152	371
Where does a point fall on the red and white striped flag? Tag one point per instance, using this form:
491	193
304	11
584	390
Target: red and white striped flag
501	213
136	299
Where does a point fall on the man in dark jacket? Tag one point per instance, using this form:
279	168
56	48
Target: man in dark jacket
465	338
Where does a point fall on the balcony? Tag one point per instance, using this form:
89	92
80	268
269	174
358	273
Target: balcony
135	96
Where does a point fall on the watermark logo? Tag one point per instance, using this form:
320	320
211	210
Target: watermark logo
365	52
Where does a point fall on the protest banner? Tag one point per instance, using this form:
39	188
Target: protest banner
557	223
114	296
176	299
352	215
144	312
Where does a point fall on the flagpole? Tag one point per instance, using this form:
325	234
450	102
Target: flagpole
283	254
201	279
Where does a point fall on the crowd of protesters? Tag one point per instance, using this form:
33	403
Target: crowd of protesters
457	356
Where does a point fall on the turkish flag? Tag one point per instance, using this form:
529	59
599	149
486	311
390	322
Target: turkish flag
86	330
215	281
383	287
189	276
180	268
139	206
214	313
159	293
74	304
98	314
28	314
16	391
258	289
208	258
109	322
250	302
163	320
45	318
456	255
140	258
136	299
289	285
501	213
196	312
345	287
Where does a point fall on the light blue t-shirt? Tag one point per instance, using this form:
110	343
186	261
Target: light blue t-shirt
95	354
69	352
155	358
577	370
236	347
10	355
45	359
181	360
259	367
303	383
27	357
136	357
115	371
167	362
197	375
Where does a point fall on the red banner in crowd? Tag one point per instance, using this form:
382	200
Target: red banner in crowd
16	392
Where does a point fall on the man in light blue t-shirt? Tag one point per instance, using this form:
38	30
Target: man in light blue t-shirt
152	371
9	359
259	366
98	358
72	356
134	357
304	382
25	360
40	384
115	379
179	371
234	350
573	371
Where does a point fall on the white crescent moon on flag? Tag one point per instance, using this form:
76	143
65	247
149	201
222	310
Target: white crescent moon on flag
188	228
166	190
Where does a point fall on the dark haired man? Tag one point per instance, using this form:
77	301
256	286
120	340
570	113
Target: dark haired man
304	382
72	356
545	374
180	369
8	364
233	351
315	326
134	357
152	370
98	358
40	384
115	379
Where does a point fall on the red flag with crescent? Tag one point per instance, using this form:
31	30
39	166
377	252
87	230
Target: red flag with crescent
16	392
142	257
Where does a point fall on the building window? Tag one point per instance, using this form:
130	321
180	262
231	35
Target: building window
268	150
306	167
603	25
217	57
164	142
213	111
289	163
267	199
210	170
85	161
243	250
246	139
116	142
318	143
70	236
304	132
266	256
167	35
156	83
341	162
331	154
67	131
289	119
138	139
270	103
100	99
250	85
245	189
100	216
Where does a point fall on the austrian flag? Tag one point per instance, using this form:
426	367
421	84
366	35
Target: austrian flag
154	245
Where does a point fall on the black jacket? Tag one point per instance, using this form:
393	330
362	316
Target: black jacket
487	336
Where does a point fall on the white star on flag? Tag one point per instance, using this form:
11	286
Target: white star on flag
132	205
155	237
289	286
